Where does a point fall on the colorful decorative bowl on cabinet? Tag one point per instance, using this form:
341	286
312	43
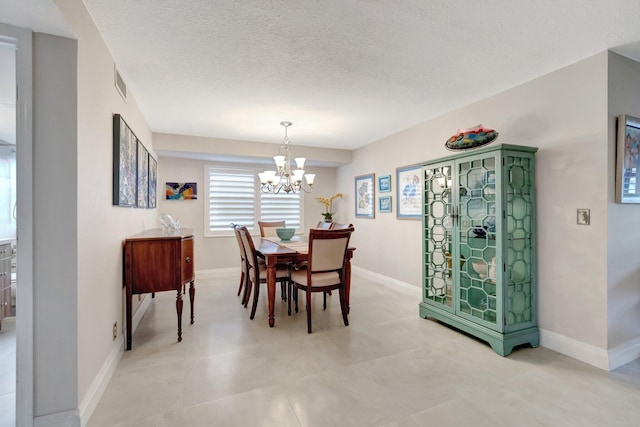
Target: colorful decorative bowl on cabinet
476	136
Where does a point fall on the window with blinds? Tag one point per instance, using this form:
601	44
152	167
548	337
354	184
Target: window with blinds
234	196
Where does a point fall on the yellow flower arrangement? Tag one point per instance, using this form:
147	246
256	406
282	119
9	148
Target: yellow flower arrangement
328	204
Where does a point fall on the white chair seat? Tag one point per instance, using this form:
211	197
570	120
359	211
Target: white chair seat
281	272
318	280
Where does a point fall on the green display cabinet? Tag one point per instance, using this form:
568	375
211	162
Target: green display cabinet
479	225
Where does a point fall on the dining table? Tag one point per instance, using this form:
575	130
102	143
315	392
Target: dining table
274	252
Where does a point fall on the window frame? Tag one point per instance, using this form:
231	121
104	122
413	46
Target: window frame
240	168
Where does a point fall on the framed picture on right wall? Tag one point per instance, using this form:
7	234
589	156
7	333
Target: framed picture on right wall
409	192
628	160
365	196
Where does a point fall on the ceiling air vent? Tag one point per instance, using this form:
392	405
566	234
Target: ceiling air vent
120	85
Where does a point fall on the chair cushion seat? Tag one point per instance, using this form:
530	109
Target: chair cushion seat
281	272
318	280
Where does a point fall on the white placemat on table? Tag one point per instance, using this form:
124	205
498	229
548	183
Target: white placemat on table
295	244
302	247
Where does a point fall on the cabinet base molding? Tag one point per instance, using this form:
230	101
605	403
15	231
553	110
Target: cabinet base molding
501	343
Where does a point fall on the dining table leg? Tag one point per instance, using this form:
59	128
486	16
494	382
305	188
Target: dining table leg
271	291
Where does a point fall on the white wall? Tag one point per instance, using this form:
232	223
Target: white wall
101	227
564	114
222	252
54	226
624	219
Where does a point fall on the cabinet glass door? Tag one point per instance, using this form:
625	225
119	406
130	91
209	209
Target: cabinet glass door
439	249
520	248
476	240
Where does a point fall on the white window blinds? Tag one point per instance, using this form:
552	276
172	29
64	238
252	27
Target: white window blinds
276	207
231	199
234	196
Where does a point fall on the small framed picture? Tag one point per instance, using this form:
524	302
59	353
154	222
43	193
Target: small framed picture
384	204
181	191
409	192
628	160
365	196
384	183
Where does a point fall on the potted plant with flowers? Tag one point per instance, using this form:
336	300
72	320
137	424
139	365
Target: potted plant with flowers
328	205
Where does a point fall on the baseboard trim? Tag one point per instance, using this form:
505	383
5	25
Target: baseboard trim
579	350
404	287
59	419
624	353
607	360
137	316
216	273
99	384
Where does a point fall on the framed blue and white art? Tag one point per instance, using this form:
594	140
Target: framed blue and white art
365	196
409	192
384	183
384	204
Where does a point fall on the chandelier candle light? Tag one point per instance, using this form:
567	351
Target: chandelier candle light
328	204
285	179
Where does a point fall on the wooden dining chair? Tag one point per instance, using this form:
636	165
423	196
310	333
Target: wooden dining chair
323	225
338	226
268	228
257	271
325	269
244	276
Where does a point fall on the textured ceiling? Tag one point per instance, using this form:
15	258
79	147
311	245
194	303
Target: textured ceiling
345	72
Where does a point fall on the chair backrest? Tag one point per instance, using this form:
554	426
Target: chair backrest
268	228
337	226
323	225
328	249
243	254
249	248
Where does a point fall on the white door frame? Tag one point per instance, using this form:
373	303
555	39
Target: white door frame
22	39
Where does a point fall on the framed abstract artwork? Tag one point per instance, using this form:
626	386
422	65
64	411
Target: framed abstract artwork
628	160
181	191
409	192
125	167
143	176
153	182
365	196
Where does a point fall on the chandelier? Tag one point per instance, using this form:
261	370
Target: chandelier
285	179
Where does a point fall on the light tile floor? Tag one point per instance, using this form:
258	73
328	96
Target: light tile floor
388	368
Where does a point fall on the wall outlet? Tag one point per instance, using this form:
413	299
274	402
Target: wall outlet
115	330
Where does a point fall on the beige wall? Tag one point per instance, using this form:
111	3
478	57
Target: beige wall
55	240
222	252
101	227
623	297
564	114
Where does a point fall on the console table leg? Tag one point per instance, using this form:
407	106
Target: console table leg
179	303
192	295
128	318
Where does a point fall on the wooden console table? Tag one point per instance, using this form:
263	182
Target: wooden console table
155	261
